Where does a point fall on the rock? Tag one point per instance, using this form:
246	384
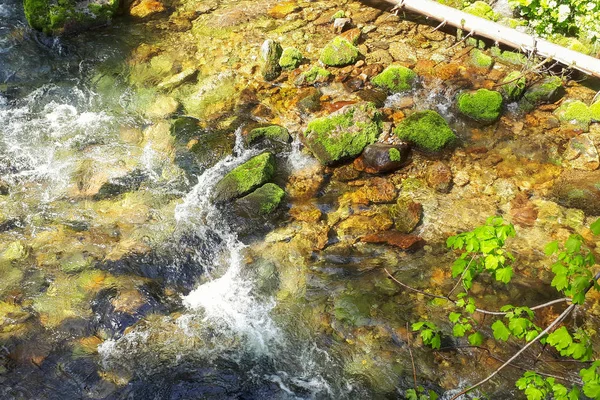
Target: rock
123	184
314	75
271	52
273	132
146	8
55	18
548	90
377	190
352	35
15	251
162	107
461	178
523	212
306	213
581	153
339	53
395	79
375	96
212	147
361	225
480	59
4	188
178	79
427	130
380	157
576	113
310	100
245	178
344	133
346	173
283	9
306	182
262	201
406	214
578	189
439	177
397	239
183	129
484	106
290	58
340	23
514	86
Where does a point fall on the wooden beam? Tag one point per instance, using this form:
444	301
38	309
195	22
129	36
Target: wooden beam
499	34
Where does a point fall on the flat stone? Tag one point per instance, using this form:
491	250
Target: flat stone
582	154
397	239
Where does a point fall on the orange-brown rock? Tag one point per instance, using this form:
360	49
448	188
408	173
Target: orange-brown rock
397	239
283	9
523	212
146	8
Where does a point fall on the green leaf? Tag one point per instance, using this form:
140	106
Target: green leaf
433	395
436	342
500	331
551	248
595	227
560	282
417	325
454	317
476	339
491	262
529	336
411	394
504	274
487	246
573	244
458	267
560	339
459	330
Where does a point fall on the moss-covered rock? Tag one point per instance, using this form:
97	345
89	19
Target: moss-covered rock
344	133
271	52
514	85
314	75
595	111
290	58
339	53
273	132
480	59
211	147
484	106
381	157
509	57
55	17
548	90
427	130
262	201
578	189
395	79
246	177
482	10
576	113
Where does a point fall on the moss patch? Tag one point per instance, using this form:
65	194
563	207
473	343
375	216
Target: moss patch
344	133
246	177
394	154
427	130
395	79
262	201
314	75
339	53
480	59
514	85
274	132
548	90
482	10
290	58
575	112
483	105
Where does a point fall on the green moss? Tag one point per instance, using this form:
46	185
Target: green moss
514	85
290	58
427	130
313	75
338	14
15	251
395	79
394	154
509	57
480	59
547	90
483	105
263	200
274	132
339	53
271	53
353	308
36	12
345	133
246	177
595	111
575	112
54	17
482	10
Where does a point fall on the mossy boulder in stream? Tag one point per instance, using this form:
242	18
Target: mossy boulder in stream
480	59
578	189
271	52
548	90
514	85
57	17
339	53
575	113
246	177
272	132
344	133
395	79
427	130
290	58
262	201
484	106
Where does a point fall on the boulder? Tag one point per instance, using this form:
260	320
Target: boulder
514	86
484	106
395	79
314	75
344	133
578	189
381	157
58	17
339	53
548	90
245	178
290	58
439	177
272	132
427	130
576	113
211	147
262	201
480	59
271	52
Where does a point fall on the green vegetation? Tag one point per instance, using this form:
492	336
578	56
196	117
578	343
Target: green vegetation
339	53
483	10
263	200
395	79
394	155
246	177
483	105
480	59
514	85
290	58
427	130
313	75
274	132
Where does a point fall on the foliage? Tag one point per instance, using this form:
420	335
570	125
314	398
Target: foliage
591	380
537	387
568	17
419	394
430	333
520	324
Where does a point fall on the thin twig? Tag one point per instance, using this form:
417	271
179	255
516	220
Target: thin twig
479	310
439	26
558	320
461	40
461	276
532	69
412	360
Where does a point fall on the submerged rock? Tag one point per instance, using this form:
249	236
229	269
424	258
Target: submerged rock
246	177
146	8
344	133
514	85
397	239
381	157
548	90
581	153
395	79
58	17
339	53
122	184
212	147
578	189
406	214
273	132
262	201
427	130
484	106
439	177
314	75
